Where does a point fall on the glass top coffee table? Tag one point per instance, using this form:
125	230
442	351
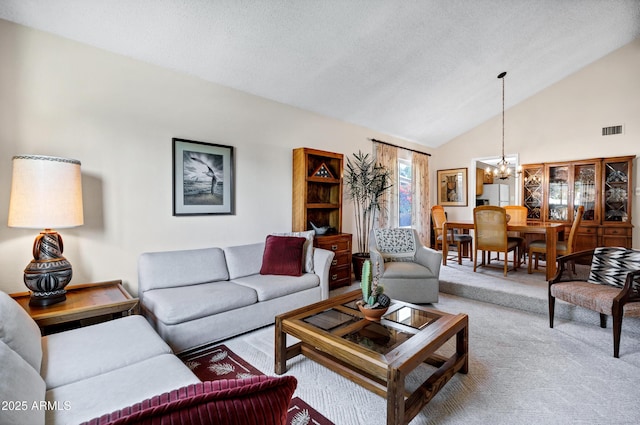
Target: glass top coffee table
377	355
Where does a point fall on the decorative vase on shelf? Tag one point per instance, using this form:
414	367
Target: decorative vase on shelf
374	303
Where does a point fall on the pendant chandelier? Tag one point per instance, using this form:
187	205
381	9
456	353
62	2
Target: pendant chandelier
503	168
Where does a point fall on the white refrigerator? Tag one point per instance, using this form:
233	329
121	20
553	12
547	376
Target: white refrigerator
497	194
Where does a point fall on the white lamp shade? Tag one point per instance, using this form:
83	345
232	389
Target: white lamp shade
46	193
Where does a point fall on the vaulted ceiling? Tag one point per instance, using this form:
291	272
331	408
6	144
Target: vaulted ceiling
421	70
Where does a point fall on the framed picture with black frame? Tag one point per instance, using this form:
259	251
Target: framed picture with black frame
203	178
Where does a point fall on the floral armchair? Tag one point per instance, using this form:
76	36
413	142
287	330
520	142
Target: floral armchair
408	270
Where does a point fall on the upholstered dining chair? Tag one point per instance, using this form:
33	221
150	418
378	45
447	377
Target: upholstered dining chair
408	270
490	233
610	286
463	242
538	247
517	214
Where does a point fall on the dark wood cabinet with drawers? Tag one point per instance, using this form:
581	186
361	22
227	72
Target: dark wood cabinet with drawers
340	245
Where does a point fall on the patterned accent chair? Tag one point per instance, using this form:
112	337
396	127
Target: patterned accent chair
610	286
408	270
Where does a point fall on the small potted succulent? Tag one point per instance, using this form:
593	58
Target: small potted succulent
374	301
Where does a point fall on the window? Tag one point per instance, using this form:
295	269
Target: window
404	193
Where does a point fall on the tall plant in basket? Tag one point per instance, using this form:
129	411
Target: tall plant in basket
366	181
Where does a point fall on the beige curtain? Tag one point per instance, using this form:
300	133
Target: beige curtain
420	206
388	156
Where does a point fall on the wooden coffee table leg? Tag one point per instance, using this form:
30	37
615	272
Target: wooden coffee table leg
462	347
395	397
280	348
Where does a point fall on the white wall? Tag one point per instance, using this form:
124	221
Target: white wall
562	122
118	116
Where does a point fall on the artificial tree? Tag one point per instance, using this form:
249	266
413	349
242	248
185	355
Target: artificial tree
366	181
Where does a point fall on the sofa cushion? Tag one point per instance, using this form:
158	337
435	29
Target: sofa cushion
89	351
103	394
406	270
177	305
21	386
275	286
307	249
592	296
610	265
260	400
244	260
282	255
19	331
181	268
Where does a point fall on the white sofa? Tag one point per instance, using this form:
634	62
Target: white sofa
77	375
195	297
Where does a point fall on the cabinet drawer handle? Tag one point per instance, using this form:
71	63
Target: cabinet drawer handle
334	276
334	262
334	247
614	232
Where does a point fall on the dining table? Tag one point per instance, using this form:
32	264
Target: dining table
550	231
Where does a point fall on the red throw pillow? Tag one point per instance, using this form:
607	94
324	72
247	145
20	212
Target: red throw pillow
259	400
282	255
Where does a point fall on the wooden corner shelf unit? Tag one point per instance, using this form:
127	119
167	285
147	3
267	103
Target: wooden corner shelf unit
317	198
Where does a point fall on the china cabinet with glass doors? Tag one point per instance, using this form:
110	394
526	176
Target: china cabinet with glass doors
553	192
532	190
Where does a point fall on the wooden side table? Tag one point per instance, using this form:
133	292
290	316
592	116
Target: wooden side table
86	304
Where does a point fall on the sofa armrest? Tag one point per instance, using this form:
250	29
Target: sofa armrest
321	264
253	401
430	258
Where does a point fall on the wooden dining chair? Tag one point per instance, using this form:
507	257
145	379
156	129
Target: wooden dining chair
463	242
538	247
517	214
490	233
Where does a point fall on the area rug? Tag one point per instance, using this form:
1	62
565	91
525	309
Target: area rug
220	362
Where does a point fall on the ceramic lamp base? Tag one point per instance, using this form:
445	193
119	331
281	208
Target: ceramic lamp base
49	272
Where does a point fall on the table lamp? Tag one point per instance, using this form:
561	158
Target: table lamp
46	193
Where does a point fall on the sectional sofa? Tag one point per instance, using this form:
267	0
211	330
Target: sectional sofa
119	370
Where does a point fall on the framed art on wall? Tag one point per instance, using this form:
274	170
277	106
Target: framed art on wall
202	178
452	187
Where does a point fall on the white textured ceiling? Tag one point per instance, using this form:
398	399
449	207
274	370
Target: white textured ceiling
422	70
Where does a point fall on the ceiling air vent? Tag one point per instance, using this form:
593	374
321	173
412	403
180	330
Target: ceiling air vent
614	129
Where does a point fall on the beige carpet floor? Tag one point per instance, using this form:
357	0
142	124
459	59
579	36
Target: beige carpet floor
521	371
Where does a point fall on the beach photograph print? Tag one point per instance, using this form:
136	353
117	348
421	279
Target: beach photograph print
202	178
